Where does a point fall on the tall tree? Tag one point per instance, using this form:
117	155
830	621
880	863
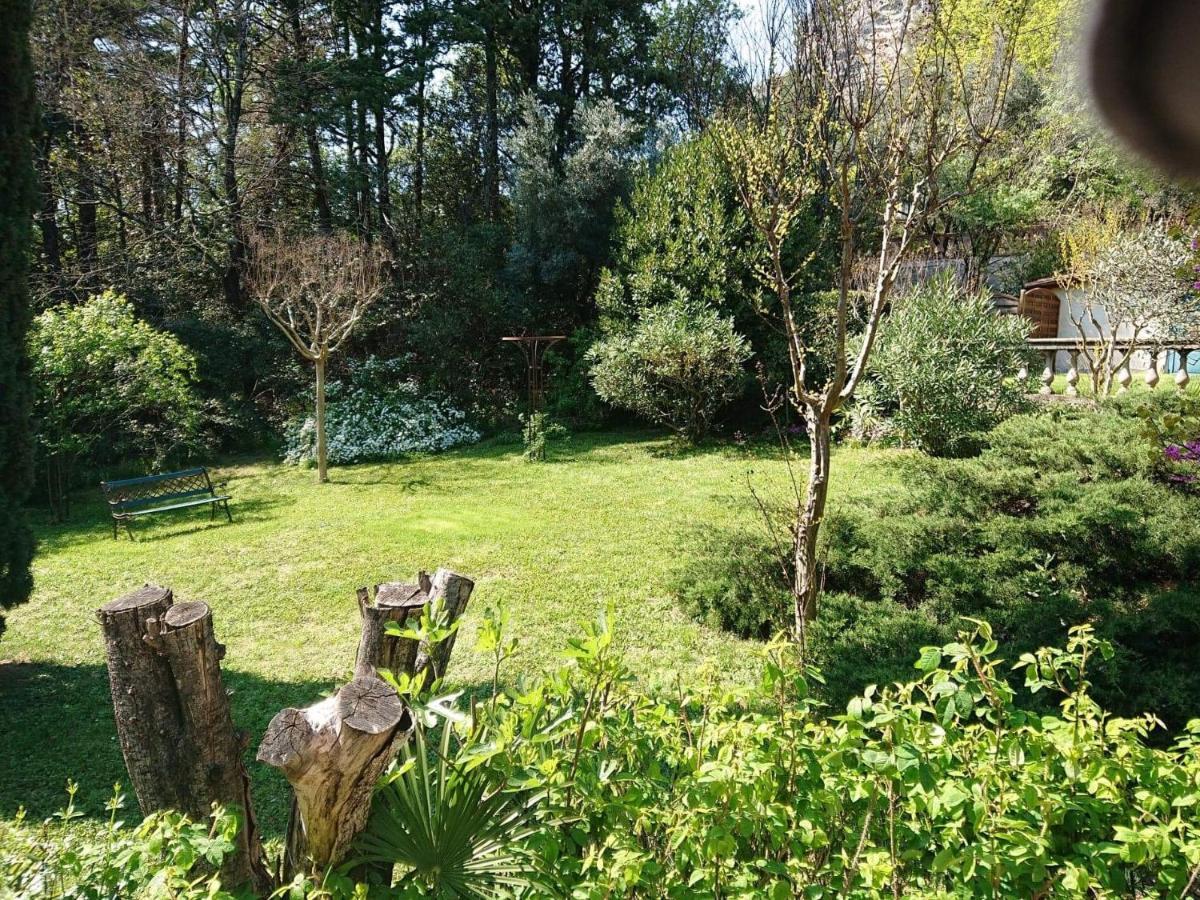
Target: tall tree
883	100
18	195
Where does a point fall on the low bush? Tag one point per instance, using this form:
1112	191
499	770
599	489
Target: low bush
677	365
1062	520
949	361
379	414
943	784
165	856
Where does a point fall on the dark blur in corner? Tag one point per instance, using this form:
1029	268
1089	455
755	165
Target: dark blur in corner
1144	65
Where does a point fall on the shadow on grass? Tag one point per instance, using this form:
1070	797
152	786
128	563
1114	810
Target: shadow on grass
56	723
91	522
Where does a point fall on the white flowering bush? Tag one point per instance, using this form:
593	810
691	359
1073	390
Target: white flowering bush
379	413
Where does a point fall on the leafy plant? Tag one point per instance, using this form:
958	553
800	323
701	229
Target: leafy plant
950	360
453	830
1173	439
677	365
537	432
166	855
109	388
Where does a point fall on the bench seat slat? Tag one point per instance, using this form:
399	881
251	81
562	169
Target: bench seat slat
129	498
124	502
199	502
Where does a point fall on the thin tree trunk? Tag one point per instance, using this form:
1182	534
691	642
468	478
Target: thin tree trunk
807	586
491	161
48	215
316	162
182	109
322	463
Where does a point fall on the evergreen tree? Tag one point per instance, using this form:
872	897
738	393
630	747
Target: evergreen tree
17	194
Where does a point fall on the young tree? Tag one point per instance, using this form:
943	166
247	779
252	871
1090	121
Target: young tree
879	101
316	290
1135	293
17	199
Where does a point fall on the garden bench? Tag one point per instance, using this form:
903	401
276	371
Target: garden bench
133	497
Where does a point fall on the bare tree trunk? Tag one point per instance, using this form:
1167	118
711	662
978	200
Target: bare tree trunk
181	102
393	602
449	592
322	450
173	718
491	159
807	585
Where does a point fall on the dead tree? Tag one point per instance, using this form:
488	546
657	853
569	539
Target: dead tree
173	718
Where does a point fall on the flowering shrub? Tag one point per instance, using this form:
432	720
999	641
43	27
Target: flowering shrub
379	414
1174	439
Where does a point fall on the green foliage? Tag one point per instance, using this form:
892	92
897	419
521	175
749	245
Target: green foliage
677	365
1063	519
950	361
165	856
111	388
538	430
935	787
18	196
453	831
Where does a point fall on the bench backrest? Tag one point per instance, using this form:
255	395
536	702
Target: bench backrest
131	493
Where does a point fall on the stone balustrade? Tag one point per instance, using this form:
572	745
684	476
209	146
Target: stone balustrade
1050	348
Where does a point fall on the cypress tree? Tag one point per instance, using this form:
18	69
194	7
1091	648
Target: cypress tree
17	197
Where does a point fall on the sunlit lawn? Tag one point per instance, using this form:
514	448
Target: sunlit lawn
605	523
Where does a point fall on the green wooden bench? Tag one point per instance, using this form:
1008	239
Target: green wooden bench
133	497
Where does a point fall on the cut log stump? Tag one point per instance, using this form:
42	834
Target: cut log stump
333	753
173	718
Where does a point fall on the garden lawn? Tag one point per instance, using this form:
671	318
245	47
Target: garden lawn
605	523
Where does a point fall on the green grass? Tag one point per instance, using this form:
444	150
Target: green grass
608	520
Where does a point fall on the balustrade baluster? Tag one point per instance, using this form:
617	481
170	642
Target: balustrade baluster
1073	374
1152	370
1182	377
1047	387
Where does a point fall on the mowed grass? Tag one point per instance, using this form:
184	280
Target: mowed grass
605	524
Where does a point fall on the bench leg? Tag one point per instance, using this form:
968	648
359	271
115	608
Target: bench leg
129	528
114	529
228	515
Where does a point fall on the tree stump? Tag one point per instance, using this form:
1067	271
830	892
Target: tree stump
333	753
173	718
452	591
393	602
149	720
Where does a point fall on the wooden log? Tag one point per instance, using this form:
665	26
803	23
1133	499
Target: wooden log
173	718
149	721
451	592
332	754
211	768
393	602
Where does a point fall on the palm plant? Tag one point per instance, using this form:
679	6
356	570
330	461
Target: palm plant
456	833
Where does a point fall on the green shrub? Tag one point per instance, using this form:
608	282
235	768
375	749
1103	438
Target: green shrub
943	786
677	365
950	360
164	856
111	390
1060	521
943	783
